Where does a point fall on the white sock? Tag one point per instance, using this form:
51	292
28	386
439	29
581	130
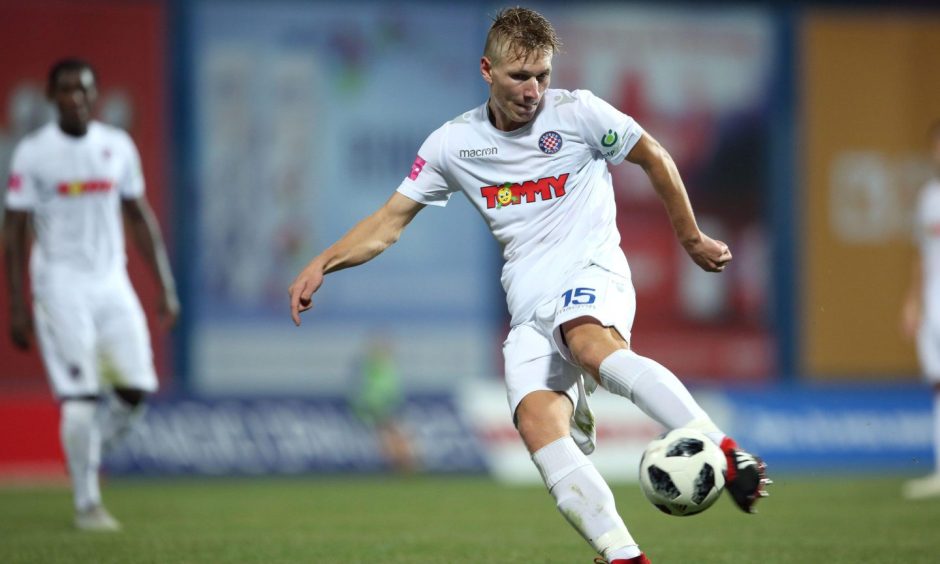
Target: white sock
81	440
656	391
584	498
936	430
117	419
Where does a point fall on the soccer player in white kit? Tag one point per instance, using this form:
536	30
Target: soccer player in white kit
533	161
921	310
75	181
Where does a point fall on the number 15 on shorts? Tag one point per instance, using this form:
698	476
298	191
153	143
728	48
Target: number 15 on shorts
579	296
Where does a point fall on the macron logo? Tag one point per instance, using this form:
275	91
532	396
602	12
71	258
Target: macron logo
417	167
476	153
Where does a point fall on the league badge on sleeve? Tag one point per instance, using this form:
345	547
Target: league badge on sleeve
550	142
610	141
417	167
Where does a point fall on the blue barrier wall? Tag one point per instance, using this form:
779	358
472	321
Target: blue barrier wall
254	437
833	430
837	429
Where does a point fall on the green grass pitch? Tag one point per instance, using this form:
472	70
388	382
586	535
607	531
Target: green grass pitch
441	520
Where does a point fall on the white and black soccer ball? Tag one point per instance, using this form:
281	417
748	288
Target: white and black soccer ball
682	472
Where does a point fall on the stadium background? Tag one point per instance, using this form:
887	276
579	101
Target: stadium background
268	128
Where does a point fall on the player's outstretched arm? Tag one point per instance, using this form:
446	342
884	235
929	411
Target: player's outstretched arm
15	254
711	255
360	244
146	233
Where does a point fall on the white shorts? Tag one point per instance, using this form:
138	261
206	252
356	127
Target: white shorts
928	352
93	335
535	353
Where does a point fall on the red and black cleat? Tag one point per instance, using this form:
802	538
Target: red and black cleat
641	559
746	478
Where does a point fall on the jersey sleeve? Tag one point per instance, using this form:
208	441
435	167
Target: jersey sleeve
131	180
606	129
21	192
427	182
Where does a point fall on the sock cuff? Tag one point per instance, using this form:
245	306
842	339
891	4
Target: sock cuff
615	357
79	410
559	459
621	370
617	539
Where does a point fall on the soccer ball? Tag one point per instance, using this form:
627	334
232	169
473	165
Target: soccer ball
682	472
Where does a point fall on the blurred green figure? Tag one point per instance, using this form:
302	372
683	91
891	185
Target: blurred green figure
378	401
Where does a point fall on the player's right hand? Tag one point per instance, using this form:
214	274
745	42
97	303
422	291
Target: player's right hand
21	328
710	254
301	290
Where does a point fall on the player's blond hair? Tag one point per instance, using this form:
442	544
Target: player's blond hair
520	32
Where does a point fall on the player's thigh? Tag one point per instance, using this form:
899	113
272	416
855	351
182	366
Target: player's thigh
66	335
532	364
596	293
125	353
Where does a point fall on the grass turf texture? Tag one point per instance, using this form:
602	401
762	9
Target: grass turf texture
443	520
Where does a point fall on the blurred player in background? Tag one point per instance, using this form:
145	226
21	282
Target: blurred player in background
921	311
534	163
75	182
378	401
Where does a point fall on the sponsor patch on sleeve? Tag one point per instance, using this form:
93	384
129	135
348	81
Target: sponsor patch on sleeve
417	167
15	182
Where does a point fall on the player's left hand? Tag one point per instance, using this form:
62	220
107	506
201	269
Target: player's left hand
710	254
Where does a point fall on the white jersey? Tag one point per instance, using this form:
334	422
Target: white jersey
73	187
928	235
543	189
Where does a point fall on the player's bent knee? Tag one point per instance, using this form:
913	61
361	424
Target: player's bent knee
543	417
131	396
590	353
590	343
